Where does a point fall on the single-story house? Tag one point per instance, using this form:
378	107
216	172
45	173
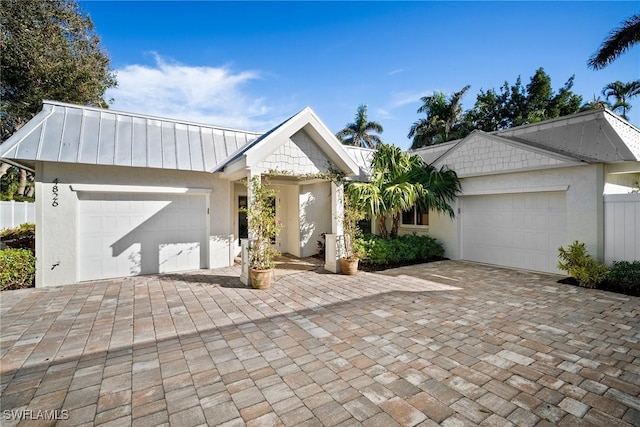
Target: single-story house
122	194
530	189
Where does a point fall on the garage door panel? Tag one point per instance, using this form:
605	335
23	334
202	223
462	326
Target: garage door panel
128	234
516	230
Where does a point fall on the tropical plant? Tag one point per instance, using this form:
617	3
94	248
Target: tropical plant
621	92
575	260
358	133
443	119
16	184
617	42
596	103
398	181
263	225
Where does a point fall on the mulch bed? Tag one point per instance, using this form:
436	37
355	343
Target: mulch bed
606	286
374	268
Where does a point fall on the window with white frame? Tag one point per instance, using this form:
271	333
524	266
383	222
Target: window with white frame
415	216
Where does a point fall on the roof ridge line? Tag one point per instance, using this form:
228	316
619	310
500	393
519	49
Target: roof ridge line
146	116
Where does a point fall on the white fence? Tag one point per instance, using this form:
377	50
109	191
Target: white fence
13	213
621	227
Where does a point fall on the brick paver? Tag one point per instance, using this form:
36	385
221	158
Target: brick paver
446	343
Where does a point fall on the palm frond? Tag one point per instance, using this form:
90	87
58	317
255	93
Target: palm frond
617	42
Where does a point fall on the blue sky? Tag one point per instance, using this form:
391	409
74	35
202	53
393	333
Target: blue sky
251	65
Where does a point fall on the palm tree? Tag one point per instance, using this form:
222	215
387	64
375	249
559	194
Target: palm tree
442	122
621	92
616	43
357	133
399	181
596	103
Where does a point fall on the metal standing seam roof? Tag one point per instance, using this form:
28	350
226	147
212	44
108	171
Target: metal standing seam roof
77	134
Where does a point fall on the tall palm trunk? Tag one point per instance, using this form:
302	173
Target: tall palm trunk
382	225
395	223
23	182
4	167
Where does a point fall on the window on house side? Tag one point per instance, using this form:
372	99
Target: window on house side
415	216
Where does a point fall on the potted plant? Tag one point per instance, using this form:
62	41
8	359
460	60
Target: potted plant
263	228
352	252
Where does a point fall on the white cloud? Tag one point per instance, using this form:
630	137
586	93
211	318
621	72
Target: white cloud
384	114
399	70
399	99
210	95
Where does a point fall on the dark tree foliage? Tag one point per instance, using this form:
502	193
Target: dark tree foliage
495	109
515	105
48	50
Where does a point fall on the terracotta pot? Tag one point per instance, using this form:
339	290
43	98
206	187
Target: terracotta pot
349	266
261	279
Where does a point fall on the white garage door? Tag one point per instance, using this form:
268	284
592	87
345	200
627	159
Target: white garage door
126	234
521	230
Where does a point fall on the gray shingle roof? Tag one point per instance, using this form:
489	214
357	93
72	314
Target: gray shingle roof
592	136
362	157
597	134
76	134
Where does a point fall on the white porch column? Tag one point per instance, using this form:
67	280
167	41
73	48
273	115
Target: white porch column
245	278
334	247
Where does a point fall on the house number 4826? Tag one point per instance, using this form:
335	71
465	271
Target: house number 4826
54	191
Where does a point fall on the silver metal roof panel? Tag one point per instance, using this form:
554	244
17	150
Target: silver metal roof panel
77	134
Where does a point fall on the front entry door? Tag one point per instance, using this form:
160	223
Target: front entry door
243	224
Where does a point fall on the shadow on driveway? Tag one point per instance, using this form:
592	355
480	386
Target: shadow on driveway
443	343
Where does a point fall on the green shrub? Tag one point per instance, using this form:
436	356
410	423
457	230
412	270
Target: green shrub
17	269
624	277
575	260
399	250
22	237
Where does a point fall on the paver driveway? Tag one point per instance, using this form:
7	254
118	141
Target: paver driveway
448	343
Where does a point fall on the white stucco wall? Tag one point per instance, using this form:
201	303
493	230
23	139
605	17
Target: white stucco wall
315	216
56	238
411	229
288	239
585	186
622	178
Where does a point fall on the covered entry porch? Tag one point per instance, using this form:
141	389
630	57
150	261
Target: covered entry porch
304	163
